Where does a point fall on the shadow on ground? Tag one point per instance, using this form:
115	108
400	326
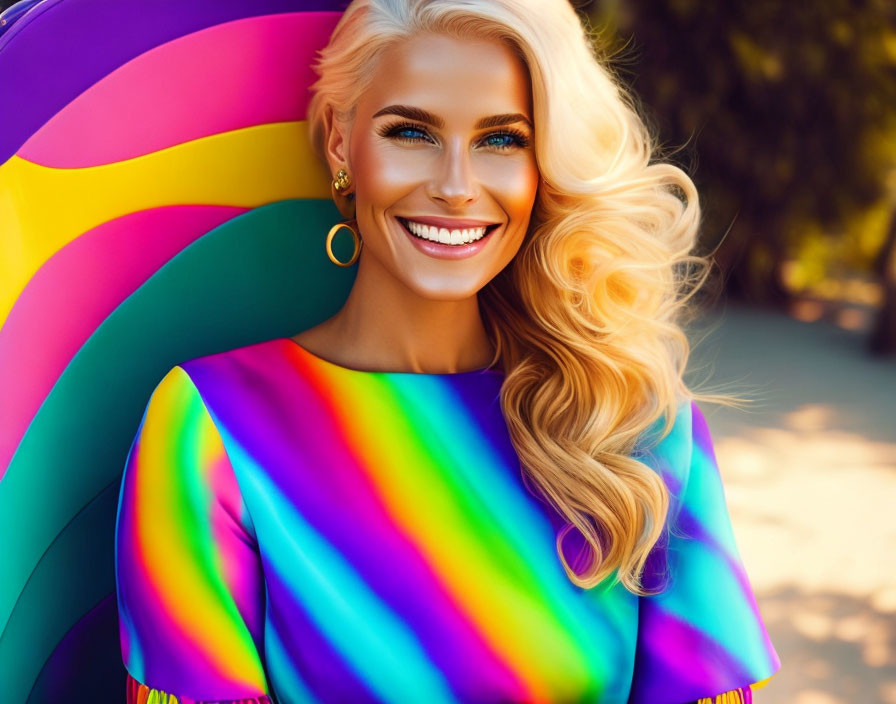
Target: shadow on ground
810	481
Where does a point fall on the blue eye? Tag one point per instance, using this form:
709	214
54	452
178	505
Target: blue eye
512	139
507	138
407	129
399	132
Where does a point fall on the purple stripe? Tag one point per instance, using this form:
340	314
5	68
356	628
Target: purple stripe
260	408
691	526
664	664
40	77
701	434
320	666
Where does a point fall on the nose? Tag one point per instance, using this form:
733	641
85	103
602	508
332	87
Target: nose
455	183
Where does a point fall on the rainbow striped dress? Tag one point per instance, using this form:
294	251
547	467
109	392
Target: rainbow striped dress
290	530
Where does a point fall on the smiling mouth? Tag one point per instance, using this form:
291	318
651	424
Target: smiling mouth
445	236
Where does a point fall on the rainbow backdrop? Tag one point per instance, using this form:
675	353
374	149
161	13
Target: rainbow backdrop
158	200
368	536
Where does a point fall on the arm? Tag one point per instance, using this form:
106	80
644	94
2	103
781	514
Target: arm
188	576
703	635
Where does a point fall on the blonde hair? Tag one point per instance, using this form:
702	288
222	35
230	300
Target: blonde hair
586	319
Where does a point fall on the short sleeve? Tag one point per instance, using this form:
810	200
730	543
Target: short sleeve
188	578
703	635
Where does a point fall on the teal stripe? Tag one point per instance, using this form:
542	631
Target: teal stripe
134	662
703	587
376	642
478	471
255	276
705	500
280	668
707	568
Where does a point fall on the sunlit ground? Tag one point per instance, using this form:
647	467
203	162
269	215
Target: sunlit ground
810	480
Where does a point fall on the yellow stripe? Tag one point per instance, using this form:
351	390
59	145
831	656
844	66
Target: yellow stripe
43	209
761	683
178	445
523	635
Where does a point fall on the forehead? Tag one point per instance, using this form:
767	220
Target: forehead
443	72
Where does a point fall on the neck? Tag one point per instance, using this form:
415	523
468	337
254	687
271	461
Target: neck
385	325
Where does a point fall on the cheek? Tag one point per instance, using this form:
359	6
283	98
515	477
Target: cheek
383	172
517	187
523	195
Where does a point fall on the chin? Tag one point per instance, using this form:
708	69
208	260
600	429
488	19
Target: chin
444	290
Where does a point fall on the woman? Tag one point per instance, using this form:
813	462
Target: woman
483	479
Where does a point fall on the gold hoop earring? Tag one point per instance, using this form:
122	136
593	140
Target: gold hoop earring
358	244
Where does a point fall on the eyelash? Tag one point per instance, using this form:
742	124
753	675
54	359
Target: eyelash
392	131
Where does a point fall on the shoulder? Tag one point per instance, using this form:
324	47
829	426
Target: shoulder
212	381
670	453
247	391
240	369
179	454
243	358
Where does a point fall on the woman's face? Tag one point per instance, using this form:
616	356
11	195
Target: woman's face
444	139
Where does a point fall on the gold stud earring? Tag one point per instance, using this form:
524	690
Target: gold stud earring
342	181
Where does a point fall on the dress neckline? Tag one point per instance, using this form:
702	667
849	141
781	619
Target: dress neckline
326	362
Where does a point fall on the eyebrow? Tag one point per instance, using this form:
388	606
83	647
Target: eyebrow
421	115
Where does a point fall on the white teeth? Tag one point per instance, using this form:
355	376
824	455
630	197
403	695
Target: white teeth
444	235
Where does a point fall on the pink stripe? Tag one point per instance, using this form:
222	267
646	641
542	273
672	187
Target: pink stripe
234	75
151	618
260	408
244	584
73	293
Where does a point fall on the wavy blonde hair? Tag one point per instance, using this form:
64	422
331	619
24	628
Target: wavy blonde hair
586	319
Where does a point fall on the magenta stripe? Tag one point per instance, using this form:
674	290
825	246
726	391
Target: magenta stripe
275	435
201	84
663	638
74	292
318	663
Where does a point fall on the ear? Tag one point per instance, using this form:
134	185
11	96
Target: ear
336	152
336	143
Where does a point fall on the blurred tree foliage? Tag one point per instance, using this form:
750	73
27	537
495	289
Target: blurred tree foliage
787	117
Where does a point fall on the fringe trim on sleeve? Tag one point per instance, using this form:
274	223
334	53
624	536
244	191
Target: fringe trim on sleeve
741	695
141	694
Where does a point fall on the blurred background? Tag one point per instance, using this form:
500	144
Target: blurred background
784	114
